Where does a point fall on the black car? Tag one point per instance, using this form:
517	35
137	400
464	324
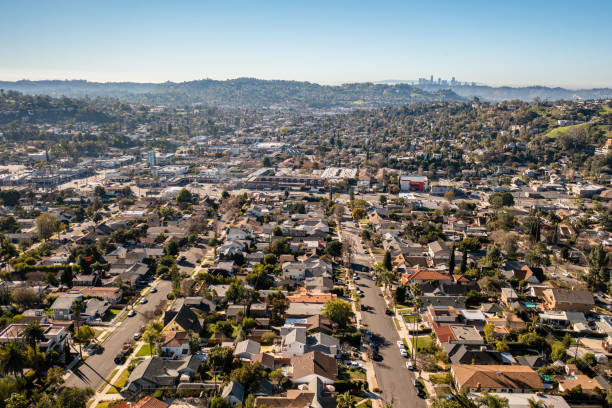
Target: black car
421	393
388	312
120	358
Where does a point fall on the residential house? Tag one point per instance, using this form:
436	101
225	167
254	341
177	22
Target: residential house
55	336
233	393
568	300
175	344
155	372
246	349
61	307
314	365
496	378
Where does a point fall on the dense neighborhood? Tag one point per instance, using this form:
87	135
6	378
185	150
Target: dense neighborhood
447	254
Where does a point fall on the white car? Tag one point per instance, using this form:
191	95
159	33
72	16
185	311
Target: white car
409	365
403	353
132	313
400	344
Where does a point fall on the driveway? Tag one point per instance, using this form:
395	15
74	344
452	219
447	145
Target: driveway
96	369
393	378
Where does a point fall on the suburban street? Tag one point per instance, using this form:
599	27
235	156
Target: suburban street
393	378
96	369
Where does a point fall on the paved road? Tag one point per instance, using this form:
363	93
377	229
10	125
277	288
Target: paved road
393	378
96	369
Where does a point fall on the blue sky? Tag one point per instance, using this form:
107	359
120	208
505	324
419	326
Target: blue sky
555	43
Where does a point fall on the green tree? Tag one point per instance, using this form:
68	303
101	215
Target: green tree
387	263
172	248
249	375
334	248
12	359
220	359
184	196
151	336
74	397
46	225
338	311
598	277
269	259
501	199
346	400
487	400
267	162
33	333
219	402
84	334
451	261
278	305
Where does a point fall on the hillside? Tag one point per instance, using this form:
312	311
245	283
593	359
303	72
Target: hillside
242	92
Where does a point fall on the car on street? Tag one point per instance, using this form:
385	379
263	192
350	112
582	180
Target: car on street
153	290
132	313
403	352
400	344
388	312
143	300
410	365
120	358
137	336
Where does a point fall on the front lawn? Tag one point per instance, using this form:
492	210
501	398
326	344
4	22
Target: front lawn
119	382
110	314
412	318
145	351
422	343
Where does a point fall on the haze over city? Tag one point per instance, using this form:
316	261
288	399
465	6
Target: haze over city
518	43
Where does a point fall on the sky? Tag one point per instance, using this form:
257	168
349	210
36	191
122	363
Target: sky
497	42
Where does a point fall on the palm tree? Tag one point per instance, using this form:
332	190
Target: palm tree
12	359
533	403
487	400
76	308
345	400
151	336
33	333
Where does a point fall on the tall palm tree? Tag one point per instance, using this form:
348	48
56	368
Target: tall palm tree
151	336
12	359
76	308
33	333
346	400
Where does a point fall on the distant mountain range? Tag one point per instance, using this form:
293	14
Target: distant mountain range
503	93
241	92
249	92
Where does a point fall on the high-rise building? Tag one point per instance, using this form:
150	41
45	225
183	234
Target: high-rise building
152	158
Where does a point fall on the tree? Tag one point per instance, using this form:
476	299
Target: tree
387	263
249	375
184	196
267	162
346	400
172	248
489	331
12	359
276	377
195	343
598	277
334	248
383	200
400	295
469	244
46	225
451	261
151	336
533	403
278	304
463	266
25	297
10	197
76	308
279	246
501	199
219	402
487	400
33	333
269	259
449	196
236	292
74	397
220	358
358	213
338	311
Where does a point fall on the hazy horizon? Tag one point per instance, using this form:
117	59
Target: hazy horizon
521	43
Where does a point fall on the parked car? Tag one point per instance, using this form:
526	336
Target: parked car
137	336
143	300
153	290
403	352
132	313
410	365
120	358
388	312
